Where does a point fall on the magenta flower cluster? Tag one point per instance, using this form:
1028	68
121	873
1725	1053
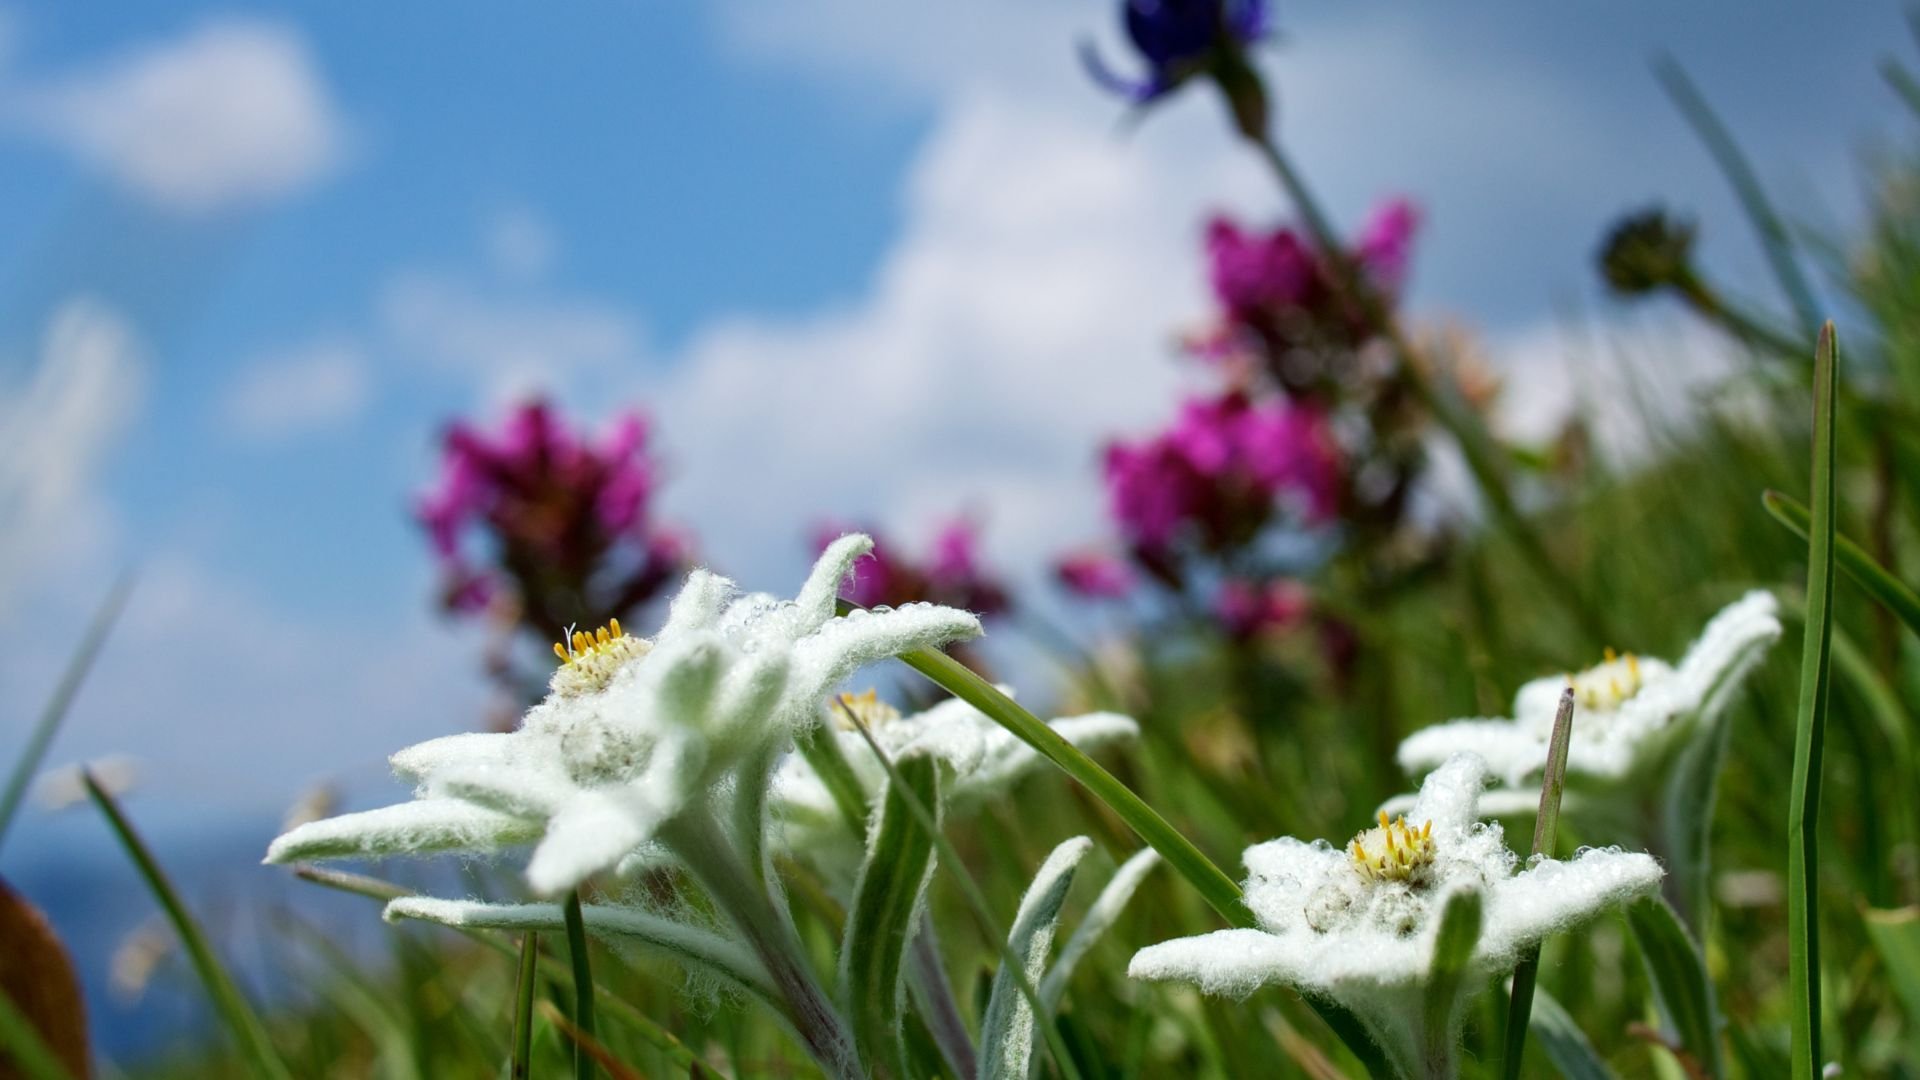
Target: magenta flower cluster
562	519
952	571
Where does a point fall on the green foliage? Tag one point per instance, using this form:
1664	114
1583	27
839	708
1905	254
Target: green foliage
885	909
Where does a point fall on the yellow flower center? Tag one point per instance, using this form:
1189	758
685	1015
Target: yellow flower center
1608	685
588	660
1393	851
866	708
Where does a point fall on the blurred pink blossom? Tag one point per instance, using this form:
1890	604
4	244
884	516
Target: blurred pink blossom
1250	608
1095	575
953	573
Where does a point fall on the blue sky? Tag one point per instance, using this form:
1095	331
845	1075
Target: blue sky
857	261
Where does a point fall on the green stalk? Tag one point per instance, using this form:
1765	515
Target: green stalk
1746	185
1483	458
64	692
822	751
1803	813
239	1017
521	1065
1546	825
1214	885
1888	590
22	1047
583	1064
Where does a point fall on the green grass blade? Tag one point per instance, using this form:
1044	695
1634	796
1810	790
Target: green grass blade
22	1048
1803	812
239	1017
1896	936
880	921
63	694
1680	981
1865	571
1563	1041
582	967
520	1066
1774	239
1546	826
1187	860
1446	977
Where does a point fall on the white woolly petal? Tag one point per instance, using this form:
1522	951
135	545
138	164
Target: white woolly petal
1232	963
817	596
1552	896
1449	793
419	762
747	702
1510	750
591	834
1494	803
698	604
533	787
1284	875
411	828
842	646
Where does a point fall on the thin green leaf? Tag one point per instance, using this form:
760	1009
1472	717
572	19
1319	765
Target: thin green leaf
1896	936
520	1066
22	1047
241	1021
880	920
1563	1041
1865	571
1446	978
1546	826
1720	143
1006	1031
1803	813
1214	886
1105	910
56	708
1680	982
582	963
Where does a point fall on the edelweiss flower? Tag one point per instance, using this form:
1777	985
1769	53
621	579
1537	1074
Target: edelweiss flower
985	758
1629	710
1358	925
634	730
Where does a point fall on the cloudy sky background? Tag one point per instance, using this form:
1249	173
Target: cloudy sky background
856	262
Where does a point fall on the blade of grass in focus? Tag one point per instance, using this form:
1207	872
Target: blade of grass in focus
64	692
241	1021
1889	591
521	1065
1546	825
583	1060
1803	813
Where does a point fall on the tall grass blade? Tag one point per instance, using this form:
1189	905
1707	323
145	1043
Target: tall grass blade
582	965
1889	591
240	1019
880	921
63	694
1563	1041
520	1065
1680	982
1774	239
1803	812
1546	826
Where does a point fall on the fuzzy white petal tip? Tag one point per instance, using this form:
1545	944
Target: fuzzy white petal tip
1229	963
414	828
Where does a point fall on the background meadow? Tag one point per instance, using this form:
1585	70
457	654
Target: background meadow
919	274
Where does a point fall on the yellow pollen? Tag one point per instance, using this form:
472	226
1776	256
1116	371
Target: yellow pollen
1393	851
1610	683
588	660
866	707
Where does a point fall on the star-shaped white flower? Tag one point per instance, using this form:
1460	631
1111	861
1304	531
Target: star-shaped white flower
1357	926
633	729
1629	711
984	757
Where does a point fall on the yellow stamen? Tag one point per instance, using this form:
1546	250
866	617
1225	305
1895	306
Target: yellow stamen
1393	851
588	660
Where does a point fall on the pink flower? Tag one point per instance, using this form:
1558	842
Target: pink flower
1251	272
1289	448
952	575
1095	575
1386	244
1152	489
1247	609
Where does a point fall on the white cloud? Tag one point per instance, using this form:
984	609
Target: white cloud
304	390
520	243
55	433
233	113
505	339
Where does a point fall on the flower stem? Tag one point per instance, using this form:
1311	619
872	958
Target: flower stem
1476	446
706	850
521	1065
583	1064
1546	824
